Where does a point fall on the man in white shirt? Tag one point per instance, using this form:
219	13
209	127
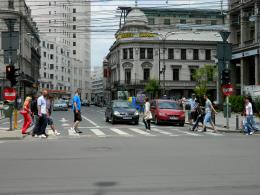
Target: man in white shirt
249	116
42	113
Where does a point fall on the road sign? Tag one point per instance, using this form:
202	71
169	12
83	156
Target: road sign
228	89
9	94
224	51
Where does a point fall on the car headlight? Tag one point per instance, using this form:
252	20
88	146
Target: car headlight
116	113
136	113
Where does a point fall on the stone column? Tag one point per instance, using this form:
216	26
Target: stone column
242	67
257	70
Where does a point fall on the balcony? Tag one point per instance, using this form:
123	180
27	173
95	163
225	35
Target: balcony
249	42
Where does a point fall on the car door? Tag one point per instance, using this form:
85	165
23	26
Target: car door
153	108
108	110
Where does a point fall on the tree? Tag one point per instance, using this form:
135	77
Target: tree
202	76
152	87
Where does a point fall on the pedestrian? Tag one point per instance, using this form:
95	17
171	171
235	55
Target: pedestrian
42	114
249	116
208	114
34	109
255	112
192	112
200	116
26	112
49	118
76	107
147	115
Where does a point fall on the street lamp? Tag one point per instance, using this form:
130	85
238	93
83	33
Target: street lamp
162	71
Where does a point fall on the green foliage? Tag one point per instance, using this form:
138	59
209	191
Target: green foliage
257	104
202	76
237	103
152	87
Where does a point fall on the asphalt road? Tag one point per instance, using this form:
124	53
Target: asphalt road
105	161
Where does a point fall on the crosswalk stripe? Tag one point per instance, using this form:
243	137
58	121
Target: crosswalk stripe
141	132
120	132
163	132
188	133
213	134
98	132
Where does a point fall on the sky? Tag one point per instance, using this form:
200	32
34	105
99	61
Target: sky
105	20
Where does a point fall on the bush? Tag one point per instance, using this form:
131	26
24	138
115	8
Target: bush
237	103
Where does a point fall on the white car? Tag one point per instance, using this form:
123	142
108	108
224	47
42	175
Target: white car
60	105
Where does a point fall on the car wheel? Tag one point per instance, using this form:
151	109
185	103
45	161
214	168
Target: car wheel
156	121
182	124
107	119
136	122
112	120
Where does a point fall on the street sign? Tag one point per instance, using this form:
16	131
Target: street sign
228	89
224	51
9	94
225	35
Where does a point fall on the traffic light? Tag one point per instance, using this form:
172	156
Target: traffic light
11	74
226	76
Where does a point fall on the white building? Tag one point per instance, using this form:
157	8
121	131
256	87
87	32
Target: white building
66	43
97	88
140	53
27	42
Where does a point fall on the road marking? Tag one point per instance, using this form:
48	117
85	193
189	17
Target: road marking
213	134
98	132
141	132
72	133
4	128
187	133
92	122
120	132
1	142
65	125
164	132
63	120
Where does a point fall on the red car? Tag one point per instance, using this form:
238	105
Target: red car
167	111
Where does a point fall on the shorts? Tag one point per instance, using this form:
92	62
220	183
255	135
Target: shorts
50	121
77	116
207	118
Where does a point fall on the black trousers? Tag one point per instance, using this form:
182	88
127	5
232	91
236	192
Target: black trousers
42	125
147	124
36	125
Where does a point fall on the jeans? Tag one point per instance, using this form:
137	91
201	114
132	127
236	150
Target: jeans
199	119
248	124
35	129
207	118
42	125
147	124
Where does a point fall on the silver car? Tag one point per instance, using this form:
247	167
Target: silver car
60	105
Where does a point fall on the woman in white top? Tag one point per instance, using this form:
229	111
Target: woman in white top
147	114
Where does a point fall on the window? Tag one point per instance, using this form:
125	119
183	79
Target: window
213	22
74	35
192	72
175	72
62	78
142	53
51	46
51	57
131	53
183	54
44	54
51	76
124	53
146	74
43	44
198	21
49	12
171	53
208	54
74	52
44	75
74	19
74	43
167	21
183	21
74	27
74	10
195	54
51	66
127	76
150	53
151	21
10	4
49	3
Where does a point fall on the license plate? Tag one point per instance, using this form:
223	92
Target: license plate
127	118
174	118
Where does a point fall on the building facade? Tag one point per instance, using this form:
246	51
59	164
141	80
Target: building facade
245	36
25	40
141	53
97	88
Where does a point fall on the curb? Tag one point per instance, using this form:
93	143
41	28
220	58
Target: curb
10	138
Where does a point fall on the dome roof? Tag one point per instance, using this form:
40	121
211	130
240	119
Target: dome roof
136	17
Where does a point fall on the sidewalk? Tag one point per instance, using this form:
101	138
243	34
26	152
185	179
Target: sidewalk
6	134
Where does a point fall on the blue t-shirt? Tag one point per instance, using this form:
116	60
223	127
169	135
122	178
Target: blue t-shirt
77	100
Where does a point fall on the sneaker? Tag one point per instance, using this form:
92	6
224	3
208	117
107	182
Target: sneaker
247	134
36	136
43	136
251	133
78	131
56	133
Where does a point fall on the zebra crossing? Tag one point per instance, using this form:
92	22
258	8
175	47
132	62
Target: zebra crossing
138	131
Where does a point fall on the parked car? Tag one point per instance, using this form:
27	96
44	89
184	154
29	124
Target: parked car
70	103
121	111
167	111
85	103
60	105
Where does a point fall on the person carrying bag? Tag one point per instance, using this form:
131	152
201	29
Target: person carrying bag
147	114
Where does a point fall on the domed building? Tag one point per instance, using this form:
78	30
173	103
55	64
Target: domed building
141	53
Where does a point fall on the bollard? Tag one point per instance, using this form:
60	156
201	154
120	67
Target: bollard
15	119
237	122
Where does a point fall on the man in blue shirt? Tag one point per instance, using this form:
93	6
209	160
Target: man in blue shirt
76	106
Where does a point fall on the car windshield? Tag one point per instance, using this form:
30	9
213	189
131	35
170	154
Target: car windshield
122	105
169	105
59	102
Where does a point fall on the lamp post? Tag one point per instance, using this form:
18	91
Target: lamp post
162	71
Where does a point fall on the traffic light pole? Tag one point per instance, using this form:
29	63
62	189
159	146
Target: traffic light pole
227	103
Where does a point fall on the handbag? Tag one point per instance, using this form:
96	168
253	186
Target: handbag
148	115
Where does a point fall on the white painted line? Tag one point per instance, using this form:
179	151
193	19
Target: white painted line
1	142
92	122
5	128
213	134
63	120
141	132
120	132
65	125
72	133
98	132
164	132
188	133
